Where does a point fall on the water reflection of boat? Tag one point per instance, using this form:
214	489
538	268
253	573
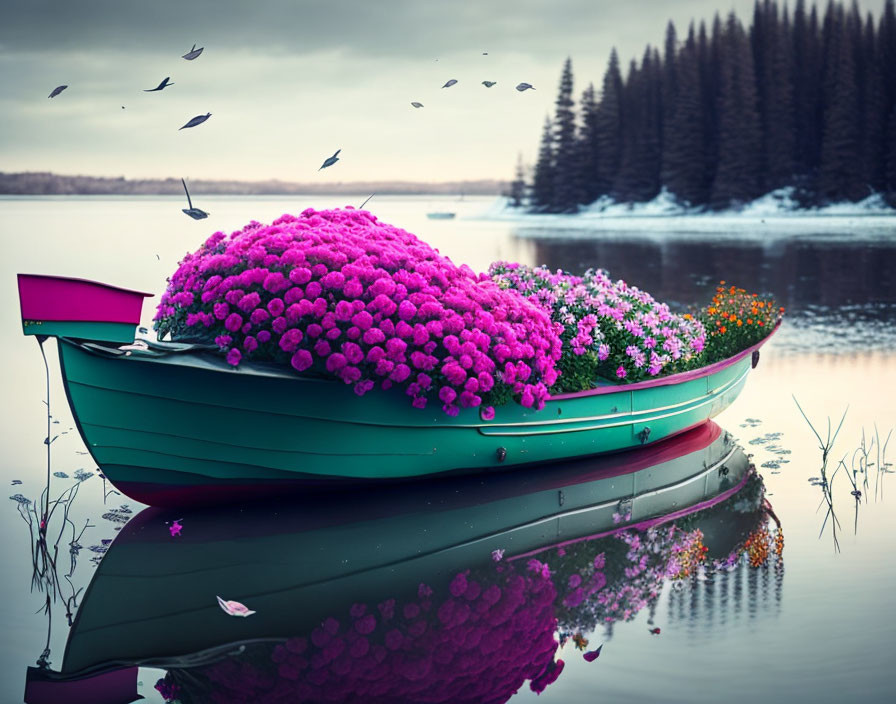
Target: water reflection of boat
174	424
440	215
389	595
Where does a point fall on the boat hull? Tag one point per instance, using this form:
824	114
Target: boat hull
170	429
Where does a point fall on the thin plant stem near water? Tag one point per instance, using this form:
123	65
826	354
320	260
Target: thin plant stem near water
826	445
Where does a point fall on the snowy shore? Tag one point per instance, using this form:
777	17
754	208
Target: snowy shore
775	214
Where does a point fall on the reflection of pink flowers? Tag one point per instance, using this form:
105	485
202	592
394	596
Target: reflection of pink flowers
463	646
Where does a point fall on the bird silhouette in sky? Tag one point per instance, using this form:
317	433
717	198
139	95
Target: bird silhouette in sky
329	161
198	120
488	84
449	83
193	53
162	86
524	86
195	213
417	105
56	91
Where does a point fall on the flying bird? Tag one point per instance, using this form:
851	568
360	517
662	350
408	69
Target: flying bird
193	53
488	84
234	608
331	160
195	213
417	105
593	655
56	91
449	83
198	120
524	86
162	86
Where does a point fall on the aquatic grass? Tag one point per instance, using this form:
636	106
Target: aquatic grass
47	575
826	482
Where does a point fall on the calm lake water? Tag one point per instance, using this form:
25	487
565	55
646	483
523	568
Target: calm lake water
338	582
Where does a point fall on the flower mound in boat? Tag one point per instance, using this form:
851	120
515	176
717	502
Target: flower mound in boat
339	293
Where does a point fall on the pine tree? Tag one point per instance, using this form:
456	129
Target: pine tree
590	155
886	61
517	192
840	170
772	58
738	172
709	52
608	124
890	173
805	89
683	153
567	191
639	172
670	81
543	178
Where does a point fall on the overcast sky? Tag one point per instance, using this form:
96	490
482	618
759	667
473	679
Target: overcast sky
290	81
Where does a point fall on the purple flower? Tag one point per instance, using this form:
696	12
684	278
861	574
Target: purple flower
234	357
301	360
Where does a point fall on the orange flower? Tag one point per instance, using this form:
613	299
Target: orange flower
723	329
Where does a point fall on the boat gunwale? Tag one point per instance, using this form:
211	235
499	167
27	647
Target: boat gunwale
489	428
79	280
678	378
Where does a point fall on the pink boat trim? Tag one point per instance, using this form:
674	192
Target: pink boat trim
679	378
63	299
643	525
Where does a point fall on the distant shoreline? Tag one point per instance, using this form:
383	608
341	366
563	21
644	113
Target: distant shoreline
50	184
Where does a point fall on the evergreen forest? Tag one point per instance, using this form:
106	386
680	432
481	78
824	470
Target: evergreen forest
803	99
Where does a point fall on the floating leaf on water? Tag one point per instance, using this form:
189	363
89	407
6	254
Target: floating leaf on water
124	508
18	498
115	517
82	475
106	541
98	549
61	475
771	464
14	482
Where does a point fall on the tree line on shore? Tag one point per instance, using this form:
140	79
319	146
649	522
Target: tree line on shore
806	101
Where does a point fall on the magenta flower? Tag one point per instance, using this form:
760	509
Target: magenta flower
376	295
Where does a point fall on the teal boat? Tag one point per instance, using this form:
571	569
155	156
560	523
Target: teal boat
389	561
173	424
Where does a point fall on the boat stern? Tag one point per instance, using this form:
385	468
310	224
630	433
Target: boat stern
58	306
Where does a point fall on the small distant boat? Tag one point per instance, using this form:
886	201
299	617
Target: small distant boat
440	215
173	424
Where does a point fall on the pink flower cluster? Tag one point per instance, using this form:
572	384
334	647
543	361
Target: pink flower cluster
609	327
476	642
339	293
